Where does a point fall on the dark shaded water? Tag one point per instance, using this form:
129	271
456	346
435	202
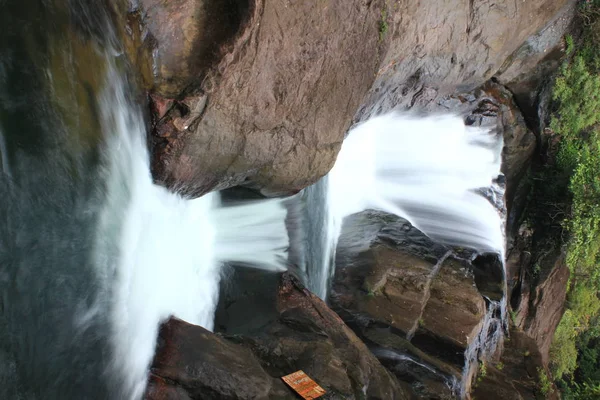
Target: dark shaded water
50	193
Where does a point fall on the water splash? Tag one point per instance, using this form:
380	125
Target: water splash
167	257
428	170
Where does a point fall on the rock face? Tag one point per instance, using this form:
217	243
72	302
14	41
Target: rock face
205	366
532	65
438	48
416	303
514	376
192	363
268	105
539	302
261	93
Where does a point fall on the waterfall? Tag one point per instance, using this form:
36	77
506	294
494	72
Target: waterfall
433	171
167	258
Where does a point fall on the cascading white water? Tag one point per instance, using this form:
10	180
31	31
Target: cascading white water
167	256
426	170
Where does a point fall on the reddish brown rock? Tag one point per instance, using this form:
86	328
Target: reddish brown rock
455	309
192	363
418	306
542	308
440	47
281	89
205	366
309	336
515	376
283	80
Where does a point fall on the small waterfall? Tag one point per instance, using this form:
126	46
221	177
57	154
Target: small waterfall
418	367
430	171
167	256
439	174
486	343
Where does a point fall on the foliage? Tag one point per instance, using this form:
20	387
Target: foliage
576	119
563	351
584	247
577	112
583	306
383	25
545	384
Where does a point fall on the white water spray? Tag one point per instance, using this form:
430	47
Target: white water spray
426	170
168	250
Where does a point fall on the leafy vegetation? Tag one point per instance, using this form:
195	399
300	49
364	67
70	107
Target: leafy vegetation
383	25
545	383
576	345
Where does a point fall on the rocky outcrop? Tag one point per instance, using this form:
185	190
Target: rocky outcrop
532	66
441	47
540	299
192	363
260	96
515	375
416	303
261	93
206	366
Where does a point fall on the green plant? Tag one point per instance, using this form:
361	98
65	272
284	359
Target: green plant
577	90
563	352
500	366
383	25
545	384
569	45
513	316
536	270
482	369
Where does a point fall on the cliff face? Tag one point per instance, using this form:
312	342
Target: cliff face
260	94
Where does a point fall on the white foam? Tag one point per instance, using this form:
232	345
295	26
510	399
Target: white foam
424	169
168	251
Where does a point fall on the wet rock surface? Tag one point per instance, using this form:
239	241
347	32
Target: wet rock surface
514	375
191	362
414	302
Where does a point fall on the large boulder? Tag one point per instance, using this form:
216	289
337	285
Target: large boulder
311	337
416	303
261	95
304	334
205	366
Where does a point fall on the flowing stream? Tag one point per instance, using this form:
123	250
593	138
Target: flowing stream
94	255
170	250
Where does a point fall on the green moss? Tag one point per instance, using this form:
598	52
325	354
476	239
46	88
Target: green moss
383	25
